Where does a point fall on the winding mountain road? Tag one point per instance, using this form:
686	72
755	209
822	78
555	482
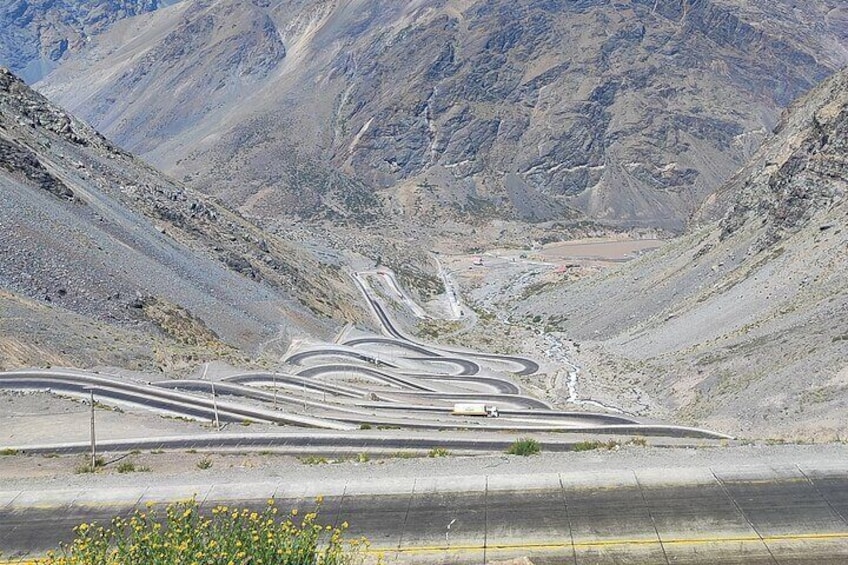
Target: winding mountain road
398	383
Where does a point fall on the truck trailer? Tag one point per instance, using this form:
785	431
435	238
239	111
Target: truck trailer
475	409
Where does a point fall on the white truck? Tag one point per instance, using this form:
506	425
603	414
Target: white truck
475	409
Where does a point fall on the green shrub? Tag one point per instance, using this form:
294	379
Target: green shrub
183	535
126	467
594	444
86	467
438	452
204	463
524	446
587	445
313	460
129	467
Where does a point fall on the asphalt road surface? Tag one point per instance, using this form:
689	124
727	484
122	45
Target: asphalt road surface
735	516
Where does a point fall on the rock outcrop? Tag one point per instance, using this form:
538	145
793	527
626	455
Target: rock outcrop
21	162
38	34
95	237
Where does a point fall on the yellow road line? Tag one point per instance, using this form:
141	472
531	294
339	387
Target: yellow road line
551	546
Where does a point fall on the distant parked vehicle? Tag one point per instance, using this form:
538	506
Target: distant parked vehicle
475	409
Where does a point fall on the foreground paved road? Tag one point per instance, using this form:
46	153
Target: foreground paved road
752	516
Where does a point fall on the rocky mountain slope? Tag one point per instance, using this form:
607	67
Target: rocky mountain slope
742	324
629	111
95	242
38	34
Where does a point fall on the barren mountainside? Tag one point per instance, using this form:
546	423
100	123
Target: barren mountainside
631	111
94	238
369	132
743	323
38	34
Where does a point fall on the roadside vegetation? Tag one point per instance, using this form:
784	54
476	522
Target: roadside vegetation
130	467
313	460
87	468
609	445
183	535
524	446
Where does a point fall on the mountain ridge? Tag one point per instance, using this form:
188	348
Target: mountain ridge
474	110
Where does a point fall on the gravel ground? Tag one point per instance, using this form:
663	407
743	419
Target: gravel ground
24	472
28	418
